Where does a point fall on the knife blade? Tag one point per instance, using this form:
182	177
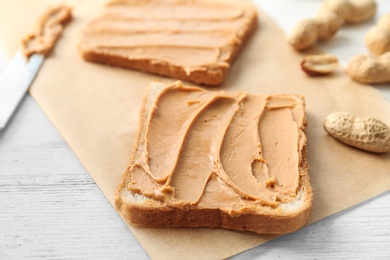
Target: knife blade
15	80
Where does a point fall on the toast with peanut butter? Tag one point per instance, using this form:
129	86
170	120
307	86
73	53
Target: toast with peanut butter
217	159
191	40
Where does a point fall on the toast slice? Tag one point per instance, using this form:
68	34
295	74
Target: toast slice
192	40
217	159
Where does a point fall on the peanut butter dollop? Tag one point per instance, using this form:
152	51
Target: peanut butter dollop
47	31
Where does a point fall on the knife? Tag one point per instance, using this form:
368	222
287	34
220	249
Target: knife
24	66
15	79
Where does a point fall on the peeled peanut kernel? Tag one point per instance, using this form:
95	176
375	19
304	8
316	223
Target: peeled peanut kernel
318	65
365	133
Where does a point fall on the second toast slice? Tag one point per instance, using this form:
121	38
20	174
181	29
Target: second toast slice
195	41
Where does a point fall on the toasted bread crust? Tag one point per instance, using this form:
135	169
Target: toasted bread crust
207	77
153	213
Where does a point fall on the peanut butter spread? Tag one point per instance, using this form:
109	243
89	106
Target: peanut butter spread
192	34
47	30
234	151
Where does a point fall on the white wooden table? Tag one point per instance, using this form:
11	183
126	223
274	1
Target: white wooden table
51	208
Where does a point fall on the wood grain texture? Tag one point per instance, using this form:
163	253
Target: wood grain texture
51	208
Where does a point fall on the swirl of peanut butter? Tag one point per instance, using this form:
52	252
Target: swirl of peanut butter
237	149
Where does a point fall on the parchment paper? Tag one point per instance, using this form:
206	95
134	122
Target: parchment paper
95	108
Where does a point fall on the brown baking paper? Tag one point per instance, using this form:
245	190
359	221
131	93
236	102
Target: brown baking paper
95	108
